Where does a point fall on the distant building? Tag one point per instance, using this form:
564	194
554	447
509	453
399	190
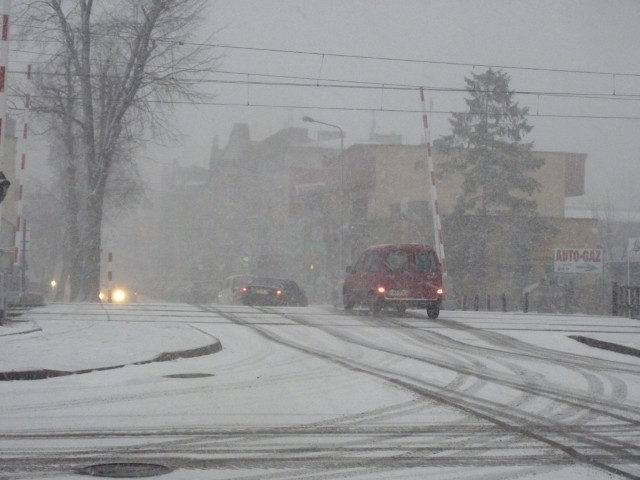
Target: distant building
291	205
389	201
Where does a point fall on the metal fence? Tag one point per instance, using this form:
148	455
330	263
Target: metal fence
625	301
490	302
13	294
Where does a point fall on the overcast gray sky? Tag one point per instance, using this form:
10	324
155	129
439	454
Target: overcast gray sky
551	42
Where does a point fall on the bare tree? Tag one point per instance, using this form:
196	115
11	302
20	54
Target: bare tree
113	70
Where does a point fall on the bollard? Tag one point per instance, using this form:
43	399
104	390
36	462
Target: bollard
504	302
476	302
634	308
614	299
464	303
488	303
526	303
2	298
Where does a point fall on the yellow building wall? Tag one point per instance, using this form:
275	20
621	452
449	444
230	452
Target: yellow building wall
551	176
401	174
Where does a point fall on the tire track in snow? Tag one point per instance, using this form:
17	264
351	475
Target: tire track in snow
511	420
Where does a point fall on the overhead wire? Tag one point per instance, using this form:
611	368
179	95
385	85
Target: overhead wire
355	84
415	60
325	54
361	109
311	82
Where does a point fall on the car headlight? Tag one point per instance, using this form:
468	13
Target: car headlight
118	295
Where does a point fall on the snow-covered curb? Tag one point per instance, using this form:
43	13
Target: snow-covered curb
613	347
39	374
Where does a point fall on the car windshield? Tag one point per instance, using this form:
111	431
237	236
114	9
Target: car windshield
320	239
267	282
241	281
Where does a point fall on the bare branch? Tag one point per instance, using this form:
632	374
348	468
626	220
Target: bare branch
108	63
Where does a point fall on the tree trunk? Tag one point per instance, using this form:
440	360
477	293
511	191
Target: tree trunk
112	67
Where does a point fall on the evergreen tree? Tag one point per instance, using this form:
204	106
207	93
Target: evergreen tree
487	150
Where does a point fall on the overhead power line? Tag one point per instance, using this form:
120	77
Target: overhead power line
416	60
378	58
310	82
364	109
292	81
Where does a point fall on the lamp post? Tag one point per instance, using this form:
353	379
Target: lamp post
340	237
311	120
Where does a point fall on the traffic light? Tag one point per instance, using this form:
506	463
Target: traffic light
4	186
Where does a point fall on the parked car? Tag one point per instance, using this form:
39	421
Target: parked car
274	291
398	276
231	291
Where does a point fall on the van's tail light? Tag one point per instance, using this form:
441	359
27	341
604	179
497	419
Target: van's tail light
381	289
440	291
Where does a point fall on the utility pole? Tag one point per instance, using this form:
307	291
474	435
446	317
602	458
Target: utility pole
342	192
5	7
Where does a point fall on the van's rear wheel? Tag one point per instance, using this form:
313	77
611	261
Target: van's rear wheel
433	311
375	304
347	301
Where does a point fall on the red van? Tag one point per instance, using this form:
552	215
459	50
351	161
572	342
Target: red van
399	276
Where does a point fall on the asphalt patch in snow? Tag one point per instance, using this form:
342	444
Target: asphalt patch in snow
189	375
42	373
125	470
613	347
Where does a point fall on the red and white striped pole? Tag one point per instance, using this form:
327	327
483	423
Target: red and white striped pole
437	226
23	142
5	6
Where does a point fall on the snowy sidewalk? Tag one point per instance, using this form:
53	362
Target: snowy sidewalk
72	338
11	327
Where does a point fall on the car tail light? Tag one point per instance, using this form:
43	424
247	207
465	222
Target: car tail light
278	293
244	290
440	291
381	289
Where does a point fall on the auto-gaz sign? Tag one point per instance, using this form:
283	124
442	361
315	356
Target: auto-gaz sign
578	260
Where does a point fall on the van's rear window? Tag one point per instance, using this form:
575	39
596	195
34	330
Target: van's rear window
426	262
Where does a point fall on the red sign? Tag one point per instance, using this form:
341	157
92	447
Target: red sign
578	260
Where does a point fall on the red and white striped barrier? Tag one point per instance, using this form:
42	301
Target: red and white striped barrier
22	149
437	225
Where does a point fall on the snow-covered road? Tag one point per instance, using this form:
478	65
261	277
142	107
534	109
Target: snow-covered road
317	393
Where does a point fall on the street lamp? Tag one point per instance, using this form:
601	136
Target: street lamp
311	120
340	237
